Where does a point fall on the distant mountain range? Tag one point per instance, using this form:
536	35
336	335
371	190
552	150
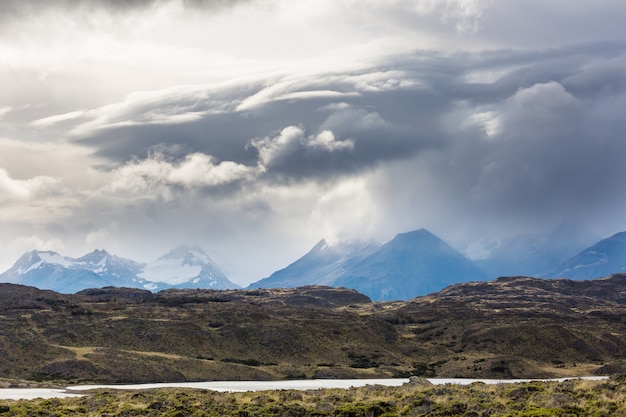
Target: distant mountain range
417	263
183	267
410	265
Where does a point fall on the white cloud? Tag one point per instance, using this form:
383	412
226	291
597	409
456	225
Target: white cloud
487	121
538	112
52	120
11	189
5	110
326	140
195	171
303	95
22	190
274	150
348	208
291	145
380	81
200	170
26	243
355	118
99	237
465	15
175	105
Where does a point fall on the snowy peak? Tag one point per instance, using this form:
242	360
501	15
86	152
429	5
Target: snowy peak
28	261
101	261
185	267
96	261
35	259
49	270
188	255
97	257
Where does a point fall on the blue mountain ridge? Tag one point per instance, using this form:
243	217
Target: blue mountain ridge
602	259
321	265
411	264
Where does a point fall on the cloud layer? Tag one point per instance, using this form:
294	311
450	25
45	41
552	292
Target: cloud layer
255	128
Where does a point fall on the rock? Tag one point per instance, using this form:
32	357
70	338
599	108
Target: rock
418	380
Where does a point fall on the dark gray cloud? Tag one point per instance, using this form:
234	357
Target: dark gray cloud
504	141
524	160
384	123
543	105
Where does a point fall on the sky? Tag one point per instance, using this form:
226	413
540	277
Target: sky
255	128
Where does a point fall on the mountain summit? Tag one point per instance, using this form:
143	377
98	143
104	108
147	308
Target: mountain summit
412	264
185	267
321	265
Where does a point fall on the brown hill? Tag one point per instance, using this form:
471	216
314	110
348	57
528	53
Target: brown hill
510	327
523	326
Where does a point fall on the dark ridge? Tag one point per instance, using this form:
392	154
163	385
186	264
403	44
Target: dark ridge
512	327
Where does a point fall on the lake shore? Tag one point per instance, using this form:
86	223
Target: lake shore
247	386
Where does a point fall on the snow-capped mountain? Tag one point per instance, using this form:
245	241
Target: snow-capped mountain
185	267
321	265
602	259
49	270
412	264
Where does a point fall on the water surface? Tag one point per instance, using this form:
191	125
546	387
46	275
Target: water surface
234	386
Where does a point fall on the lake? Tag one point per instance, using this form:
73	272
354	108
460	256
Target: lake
305	384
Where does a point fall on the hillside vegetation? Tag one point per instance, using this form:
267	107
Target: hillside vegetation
508	328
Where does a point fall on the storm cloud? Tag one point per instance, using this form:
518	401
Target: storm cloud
256	128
